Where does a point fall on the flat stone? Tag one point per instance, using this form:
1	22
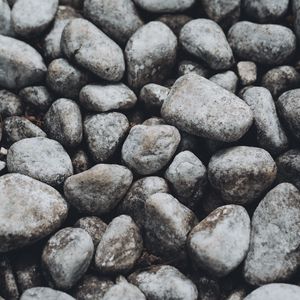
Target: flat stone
167	6
42	293
10	104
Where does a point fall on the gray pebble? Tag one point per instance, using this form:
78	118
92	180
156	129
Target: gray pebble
40	158
66	79
164	282
104	134
220	242
200	107
265	44
270	134
88	46
102	98
247	72
63	122
153	95
45	293
67	256
175	22
147	149
150	54
20	64
29	209
187	66
33	17
120	246
206	40
80	161
18	128
119	19
241	174
10	104
275	242
227	80
5	19
98	190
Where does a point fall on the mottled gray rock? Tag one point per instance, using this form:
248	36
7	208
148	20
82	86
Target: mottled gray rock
265	11
241	174
44	293
164	282
275	242
32	17
227	80
187	66
20	64
175	22
63	122
153	95
147	149
29	210
150	54
134	202
281	79
265	44
5	19
167	6
270	134
118	19
220	242
40	158
188	178
247	72
10	104
67	256
18	128
167	224
200	107
80	161
98	190
102	98
88	46
296	14
206	40
120	246
66	79
104	133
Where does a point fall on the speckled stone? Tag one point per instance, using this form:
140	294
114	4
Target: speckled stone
10	104
43	293
227	80
153	95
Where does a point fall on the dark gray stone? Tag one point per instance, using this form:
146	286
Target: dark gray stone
153	95
80	161
10	104
175	22
187	66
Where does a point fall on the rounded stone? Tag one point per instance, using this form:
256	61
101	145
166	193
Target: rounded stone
10	104
166	6
42	293
227	80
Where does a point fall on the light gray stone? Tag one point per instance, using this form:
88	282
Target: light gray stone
166	6
247	72
188	66
153	95
227	80
10	104
44	293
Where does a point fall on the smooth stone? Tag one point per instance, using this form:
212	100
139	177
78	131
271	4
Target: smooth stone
150	54
80	161
227	80
10	104
29	210
93	50
20	64
206	40
166	6
40	158
5	19
175	22
200	107
275	242
98	190
44	293
247	72
188	66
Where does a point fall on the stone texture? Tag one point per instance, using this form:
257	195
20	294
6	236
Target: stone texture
80	161
5	19
227	80
247	72
10	104
167	6
188	66
175	22
153	95
44	293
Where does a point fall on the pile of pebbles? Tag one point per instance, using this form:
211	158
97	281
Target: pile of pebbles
150	149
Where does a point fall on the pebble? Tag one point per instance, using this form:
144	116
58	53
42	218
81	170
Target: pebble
275	242
18	128
247	71
42	293
66	256
40	158
33	17
120	246
29	209
175	22
147	149
10	104
119	19
150	54
266	44
241	174
227	80
187	66
98	190
220	242
167	6
102	98
23	63
63	122
80	161
270	133
200	107
93	50
104	134
164	282
5	19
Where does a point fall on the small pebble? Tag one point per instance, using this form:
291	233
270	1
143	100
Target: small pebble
227	80
247	72
10	104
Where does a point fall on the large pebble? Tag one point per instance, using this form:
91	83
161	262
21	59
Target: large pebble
265	44
67	256
98	190
166	6
275	242
220	242
29	211
150	54
206	40
88	46
200	107
147	149
241	174
44	293
20	64
10	104
5	19
40	158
